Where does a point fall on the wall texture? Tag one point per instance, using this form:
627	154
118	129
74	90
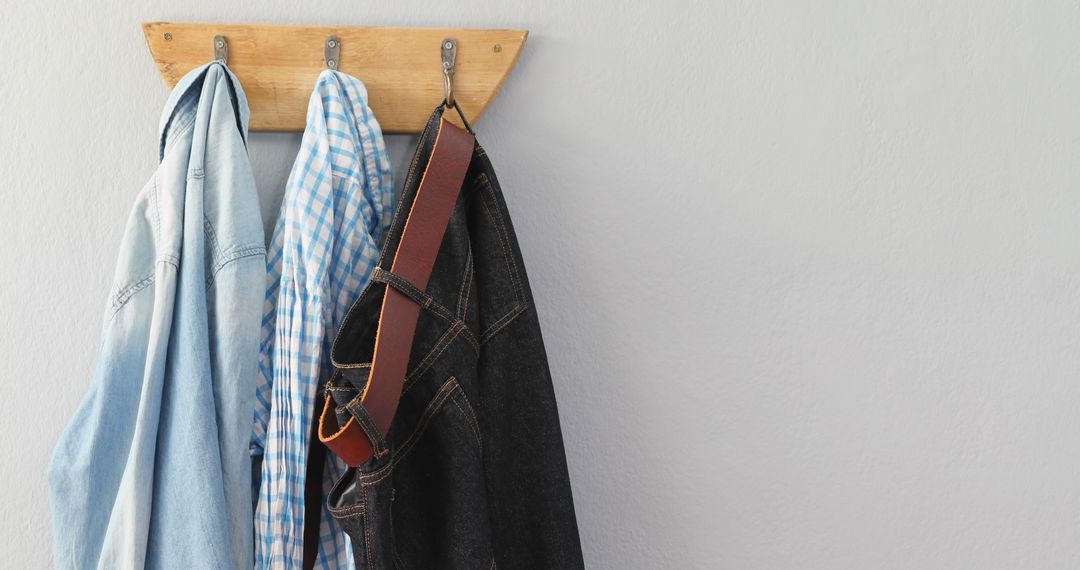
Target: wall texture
809	273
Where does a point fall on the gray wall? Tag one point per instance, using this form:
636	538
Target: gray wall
808	272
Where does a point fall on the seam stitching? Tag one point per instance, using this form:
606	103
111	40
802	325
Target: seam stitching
511	264
502	323
466	287
448	387
470	416
122	296
444	342
404	286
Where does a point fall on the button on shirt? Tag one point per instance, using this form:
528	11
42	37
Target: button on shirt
336	208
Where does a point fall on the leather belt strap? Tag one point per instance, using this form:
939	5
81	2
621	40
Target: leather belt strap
413	261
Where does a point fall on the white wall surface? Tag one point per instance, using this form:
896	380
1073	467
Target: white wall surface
809	272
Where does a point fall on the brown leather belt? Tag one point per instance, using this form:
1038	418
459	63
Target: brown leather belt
413	261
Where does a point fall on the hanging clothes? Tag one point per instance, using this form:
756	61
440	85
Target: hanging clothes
471	471
153	470
336	208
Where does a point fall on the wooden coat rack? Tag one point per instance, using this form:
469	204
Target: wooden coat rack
277	65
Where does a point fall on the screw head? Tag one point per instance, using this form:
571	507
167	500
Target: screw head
497	48
331	43
220	43
448	45
331	63
167	36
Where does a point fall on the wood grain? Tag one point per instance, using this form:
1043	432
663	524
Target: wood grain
278	65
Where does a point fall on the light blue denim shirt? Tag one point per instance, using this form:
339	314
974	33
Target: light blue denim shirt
153	471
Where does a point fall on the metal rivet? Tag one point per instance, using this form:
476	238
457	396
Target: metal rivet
220	44
448	45
331	43
497	48
331	63
168	37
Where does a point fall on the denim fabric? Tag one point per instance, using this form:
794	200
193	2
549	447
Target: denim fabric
153	471
474	475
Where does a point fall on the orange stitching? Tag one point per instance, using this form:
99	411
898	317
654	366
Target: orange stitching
508	259
374	477
441	346
466	410
502	323
466	287
496	217
368	542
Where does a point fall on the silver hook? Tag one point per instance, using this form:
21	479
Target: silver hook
449	56
221	49
332	53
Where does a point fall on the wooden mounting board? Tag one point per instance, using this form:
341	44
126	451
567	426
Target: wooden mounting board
401	67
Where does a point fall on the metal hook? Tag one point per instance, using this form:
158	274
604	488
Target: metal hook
449	56
332	53
221	49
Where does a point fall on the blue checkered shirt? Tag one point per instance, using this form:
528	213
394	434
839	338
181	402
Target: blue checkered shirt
336	208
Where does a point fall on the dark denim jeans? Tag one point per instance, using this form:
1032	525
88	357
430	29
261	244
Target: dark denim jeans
473	474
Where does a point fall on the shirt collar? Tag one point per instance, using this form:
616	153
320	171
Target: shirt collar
184	98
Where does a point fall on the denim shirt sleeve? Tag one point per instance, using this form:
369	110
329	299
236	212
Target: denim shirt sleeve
153	469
